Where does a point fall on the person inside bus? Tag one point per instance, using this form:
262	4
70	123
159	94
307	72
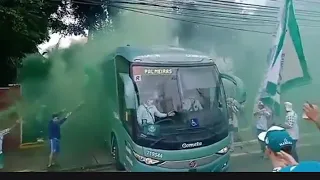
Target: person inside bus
191	101
147	111
191	104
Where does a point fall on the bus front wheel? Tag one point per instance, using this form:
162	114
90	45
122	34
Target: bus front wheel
115	153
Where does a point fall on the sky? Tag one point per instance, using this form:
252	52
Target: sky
66	41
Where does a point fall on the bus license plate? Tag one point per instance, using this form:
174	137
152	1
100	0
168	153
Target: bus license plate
192	170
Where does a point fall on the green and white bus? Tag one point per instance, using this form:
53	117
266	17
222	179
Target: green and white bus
194	139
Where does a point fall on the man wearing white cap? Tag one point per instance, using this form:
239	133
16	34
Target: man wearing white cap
291	125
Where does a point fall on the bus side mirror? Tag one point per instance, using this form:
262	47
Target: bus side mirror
240	91
129	92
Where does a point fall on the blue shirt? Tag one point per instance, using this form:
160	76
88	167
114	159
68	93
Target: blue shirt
306	166
54	128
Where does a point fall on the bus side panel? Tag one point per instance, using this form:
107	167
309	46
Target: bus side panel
124	129
111	110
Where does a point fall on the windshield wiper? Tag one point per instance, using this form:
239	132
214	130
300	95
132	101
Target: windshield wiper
200	93
208	130
157	141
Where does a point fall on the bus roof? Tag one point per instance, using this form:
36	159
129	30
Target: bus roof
161	54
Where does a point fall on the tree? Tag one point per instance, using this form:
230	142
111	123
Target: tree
24	24
91	15
27	23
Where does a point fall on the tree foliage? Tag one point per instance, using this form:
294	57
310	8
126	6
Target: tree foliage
91	15
24	24
27	23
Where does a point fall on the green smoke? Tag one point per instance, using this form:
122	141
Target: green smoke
74	75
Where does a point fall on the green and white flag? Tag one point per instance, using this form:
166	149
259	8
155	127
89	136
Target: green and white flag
287	64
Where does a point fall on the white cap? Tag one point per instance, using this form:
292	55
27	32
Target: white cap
288	106
262	135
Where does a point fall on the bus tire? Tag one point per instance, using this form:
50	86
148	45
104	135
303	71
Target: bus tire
115	153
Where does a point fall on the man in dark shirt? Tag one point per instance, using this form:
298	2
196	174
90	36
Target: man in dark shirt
55	136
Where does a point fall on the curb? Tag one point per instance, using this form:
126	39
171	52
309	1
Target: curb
32	145
89	167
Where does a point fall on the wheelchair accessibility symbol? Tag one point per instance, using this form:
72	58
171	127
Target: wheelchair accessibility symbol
194	123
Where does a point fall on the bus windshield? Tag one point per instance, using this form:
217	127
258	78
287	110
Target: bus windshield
179	105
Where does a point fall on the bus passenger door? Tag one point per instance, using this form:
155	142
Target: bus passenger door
234	87
129	106
236	98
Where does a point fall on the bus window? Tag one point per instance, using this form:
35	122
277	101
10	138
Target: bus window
130	100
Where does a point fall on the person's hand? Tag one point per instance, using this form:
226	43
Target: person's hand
280	159
171	113
69	113
287	158
311	112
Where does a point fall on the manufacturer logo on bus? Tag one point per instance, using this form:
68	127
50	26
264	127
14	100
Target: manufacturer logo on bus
192	164
191	145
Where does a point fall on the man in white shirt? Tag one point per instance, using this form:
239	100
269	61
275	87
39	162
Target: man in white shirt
2	134
234	108
291	125
263	119
147	111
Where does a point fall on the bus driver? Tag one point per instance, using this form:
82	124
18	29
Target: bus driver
147	111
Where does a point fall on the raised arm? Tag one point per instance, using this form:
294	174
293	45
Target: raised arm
257	112
266	112
63	120
159	114
312	112
7	131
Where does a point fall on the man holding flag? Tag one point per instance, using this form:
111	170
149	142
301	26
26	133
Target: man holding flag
288	66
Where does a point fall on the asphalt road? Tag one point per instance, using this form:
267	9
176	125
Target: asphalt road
254	163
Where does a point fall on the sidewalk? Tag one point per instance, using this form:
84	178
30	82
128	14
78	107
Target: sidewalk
36	159
26	160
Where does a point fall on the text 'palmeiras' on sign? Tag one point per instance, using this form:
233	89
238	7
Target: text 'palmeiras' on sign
158	71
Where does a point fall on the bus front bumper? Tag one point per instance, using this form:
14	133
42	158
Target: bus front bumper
219	165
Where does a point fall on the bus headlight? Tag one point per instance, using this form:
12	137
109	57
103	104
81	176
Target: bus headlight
146	160
223	150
